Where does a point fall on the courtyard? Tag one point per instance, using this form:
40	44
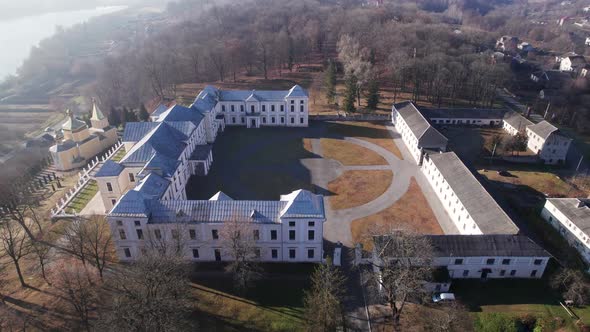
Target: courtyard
357	166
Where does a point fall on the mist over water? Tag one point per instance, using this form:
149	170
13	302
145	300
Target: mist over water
19	35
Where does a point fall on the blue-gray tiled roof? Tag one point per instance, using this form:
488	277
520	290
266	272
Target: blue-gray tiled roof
109	168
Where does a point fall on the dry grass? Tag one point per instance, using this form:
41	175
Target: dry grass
355	188
349	153
544	182
410	212
307	145
372	132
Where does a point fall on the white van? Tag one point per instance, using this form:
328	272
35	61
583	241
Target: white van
443	297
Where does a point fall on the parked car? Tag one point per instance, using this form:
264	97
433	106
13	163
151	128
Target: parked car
443	297
503	173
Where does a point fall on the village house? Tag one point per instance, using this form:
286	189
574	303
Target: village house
478	256
551	79
571	217
471	208
416	132
572	63
514	123
550	145
80	144
145	191
507	43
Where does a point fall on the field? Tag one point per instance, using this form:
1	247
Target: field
372	132
542	181
411	212
356	188
349	153
18	123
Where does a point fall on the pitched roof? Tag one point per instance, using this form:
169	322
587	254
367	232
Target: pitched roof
181	113
497	245
159	110
295	92
252	97
152	186
303	204
72	123
220	196
577	210
426	134
482	208
96	112
516	120
132	204
135	131
109	168
466	113
543	129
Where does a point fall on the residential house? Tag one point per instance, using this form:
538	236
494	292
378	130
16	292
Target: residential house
526	47
507	43
573	63
548	142
468	204
514	123
80	144
551	79
497	256
571	217
416	131
464	116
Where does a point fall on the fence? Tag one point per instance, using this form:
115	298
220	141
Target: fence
83	178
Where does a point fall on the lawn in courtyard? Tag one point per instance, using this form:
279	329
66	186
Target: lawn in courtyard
372	132
84	196
543	181
349	154
119	155
355	188
410	212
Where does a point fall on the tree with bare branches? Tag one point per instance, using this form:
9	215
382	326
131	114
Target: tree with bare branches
41	250
573	285
98	242
239	243
16	244
401	266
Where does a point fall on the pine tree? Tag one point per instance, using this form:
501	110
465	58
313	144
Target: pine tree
350	94
323	309
330	82
373	94
114	117
143	113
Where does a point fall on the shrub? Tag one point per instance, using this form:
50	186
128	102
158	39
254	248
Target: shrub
495	322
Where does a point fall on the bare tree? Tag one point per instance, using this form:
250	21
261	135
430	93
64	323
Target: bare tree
98	242
77	283
149	295
16	244
41	251
573	285
239	238
401	266
74	240
323	309
448	318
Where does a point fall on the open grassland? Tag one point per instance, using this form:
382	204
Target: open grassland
372	132
349	154
410	212
355	188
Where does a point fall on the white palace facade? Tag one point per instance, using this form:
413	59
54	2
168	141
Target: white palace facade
144	193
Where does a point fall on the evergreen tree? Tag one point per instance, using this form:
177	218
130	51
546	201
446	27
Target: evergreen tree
373	94
114	117
330	82
130	115
323	309
350	94
143	113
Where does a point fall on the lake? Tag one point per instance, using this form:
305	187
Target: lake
19	35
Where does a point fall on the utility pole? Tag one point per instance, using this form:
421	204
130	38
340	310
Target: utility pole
577	168
493	153
546	111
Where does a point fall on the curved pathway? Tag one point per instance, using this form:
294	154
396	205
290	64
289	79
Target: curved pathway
337	225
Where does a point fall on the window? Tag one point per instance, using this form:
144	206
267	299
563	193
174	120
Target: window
122	234
243	120
192	234
490	261
291	224
273	234
195	253
109	186
131	177
113	201
533	273
119	223
175	234
137	223
292	108
292	102
292	235
282	108
512	273
252	109
214	234
272	108
292	120
127	252
223	108
256	235
140	234
311	235
538	261
506	261
292	253
301	120
282	120
310	223
233	120
502	273
274	253
263	120
272	119
310	253
264	108
458	261
241	108
301	108
233	108
157	234
465	273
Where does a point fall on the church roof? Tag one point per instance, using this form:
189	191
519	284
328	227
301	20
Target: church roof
96	112
73	124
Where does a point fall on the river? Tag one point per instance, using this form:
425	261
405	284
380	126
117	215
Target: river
20	34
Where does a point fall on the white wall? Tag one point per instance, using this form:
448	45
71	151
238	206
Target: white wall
574	235
501	267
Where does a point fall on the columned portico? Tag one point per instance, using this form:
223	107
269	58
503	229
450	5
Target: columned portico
253	121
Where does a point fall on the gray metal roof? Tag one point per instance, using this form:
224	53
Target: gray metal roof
496	245
135	131
303	204
576	210
427	135
109	168
483	209
516	120
466	113
543	129
201	152
220	196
